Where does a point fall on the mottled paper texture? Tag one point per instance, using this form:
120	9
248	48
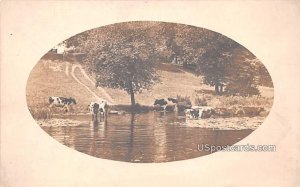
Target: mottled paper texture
30	157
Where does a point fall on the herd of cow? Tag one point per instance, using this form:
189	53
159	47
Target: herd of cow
95	108
101	107
192	112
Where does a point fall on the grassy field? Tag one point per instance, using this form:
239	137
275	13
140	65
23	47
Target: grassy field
48	78
54	78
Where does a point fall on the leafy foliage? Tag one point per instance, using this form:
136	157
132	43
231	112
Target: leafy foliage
122	60
124	56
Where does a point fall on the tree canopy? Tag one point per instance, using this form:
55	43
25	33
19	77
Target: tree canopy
120	58
124	56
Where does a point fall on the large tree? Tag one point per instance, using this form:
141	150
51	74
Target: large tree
214	66
129	72
120	56
244	76
229	65
185	43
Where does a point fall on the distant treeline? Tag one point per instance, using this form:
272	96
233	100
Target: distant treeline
137	46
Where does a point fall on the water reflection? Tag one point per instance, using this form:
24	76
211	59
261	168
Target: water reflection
160	139
151	137
97	131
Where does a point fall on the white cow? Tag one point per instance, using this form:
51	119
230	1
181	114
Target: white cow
167	102
98	108
62	102
196	112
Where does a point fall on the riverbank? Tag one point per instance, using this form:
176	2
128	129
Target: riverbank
55	122
233	123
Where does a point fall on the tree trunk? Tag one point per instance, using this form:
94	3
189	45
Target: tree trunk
185	63
131	94
217	89
221	89
132	98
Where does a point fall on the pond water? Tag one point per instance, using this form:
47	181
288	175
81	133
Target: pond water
150	137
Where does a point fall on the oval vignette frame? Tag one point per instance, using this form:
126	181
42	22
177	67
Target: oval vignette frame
149	92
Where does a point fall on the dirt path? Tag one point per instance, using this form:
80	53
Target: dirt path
67	68
107	96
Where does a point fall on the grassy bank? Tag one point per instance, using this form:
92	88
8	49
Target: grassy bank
53	78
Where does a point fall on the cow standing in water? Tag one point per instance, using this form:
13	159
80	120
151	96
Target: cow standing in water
98	108
61	102
167	103
198	112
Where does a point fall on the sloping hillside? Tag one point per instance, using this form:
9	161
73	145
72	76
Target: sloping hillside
58	78
67	79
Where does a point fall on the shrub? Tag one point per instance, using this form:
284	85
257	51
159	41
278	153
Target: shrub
184	100
200	101
233	101
41	113
241	90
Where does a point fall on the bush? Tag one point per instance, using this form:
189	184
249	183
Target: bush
241	90
41	113
231	101
200	101
184	100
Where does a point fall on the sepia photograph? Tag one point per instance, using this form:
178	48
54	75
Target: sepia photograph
147	91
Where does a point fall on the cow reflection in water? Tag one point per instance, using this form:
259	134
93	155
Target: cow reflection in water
98	130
